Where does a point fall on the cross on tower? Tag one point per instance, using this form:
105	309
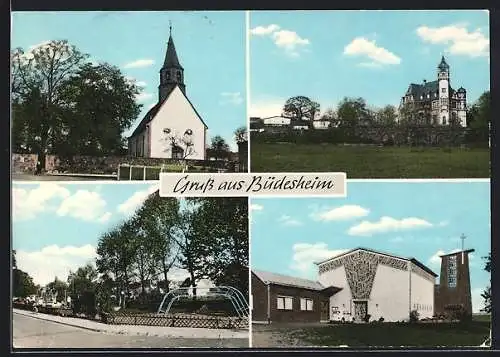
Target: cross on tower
170	26
463	237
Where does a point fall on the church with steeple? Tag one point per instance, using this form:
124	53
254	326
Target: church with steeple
436	102
172	128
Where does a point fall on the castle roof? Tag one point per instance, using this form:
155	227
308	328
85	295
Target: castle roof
443	65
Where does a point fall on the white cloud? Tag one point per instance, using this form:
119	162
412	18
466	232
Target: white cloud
477	300
340	213
139	63
264	30
458	39
234	98
133	80
256	207
290	41
266	108
143	97
443	223
27	203
136	200
306	254
52	261
387	224
436	257
289	221
85	205
361	46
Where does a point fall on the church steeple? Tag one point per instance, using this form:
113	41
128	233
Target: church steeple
172	73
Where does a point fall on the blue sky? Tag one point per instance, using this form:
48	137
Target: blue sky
56	226
329	55
210	46
420	220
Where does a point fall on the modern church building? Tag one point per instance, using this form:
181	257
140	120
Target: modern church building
362	285
172	128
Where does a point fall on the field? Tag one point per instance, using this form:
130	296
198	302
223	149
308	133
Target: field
371	161
373	335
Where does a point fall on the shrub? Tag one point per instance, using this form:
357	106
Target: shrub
381	319
414	316
367	317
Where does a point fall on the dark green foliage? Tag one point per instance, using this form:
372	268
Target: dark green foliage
486	295
22	284
414	316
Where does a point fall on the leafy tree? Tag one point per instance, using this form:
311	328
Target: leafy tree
301	108
115	257
58	288
479	116
38	77
352	112
63	105
331	116
223	224
240	135
83	279
98	106
22	284
387	116
193	246
486	295
219	148
14	261
158	217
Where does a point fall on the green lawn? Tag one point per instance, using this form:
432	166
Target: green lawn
371	162
395	335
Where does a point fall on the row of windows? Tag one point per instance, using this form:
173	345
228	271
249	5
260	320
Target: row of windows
167	76
286	303
422	307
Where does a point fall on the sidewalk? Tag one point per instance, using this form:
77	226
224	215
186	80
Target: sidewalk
176	332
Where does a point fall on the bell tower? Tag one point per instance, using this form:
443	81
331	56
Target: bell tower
172	73
444	88
454	291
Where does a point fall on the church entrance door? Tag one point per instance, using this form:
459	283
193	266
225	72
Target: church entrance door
360	310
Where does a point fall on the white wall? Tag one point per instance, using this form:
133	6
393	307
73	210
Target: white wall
321	124
422	296
342	299
277	121
391	293
177	115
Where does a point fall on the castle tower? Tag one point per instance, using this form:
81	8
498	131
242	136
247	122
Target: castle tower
444	88
462	106
172	73
453	291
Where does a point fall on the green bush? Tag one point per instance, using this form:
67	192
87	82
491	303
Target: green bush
414	316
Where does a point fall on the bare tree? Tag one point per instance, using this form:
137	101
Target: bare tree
180	146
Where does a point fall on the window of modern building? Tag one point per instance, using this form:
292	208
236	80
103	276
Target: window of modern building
284	303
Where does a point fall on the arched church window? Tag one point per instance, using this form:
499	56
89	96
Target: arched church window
178	76
444	120
168	76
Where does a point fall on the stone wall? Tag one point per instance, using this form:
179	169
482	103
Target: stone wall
26	163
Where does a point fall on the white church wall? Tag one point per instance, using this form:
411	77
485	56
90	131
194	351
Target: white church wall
390	296
177	115
277	121
341	300
422	295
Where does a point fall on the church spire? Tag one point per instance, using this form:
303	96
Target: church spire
172	73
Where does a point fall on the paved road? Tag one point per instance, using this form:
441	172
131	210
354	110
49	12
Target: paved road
29	332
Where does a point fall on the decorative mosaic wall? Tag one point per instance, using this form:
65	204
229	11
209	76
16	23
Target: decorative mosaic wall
421	272
360	268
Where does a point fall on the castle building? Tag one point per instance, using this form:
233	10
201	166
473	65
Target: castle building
172	128
436	102
364	285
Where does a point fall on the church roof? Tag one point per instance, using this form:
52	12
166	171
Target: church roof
458	252
410	259
285	280
171	59
154	110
